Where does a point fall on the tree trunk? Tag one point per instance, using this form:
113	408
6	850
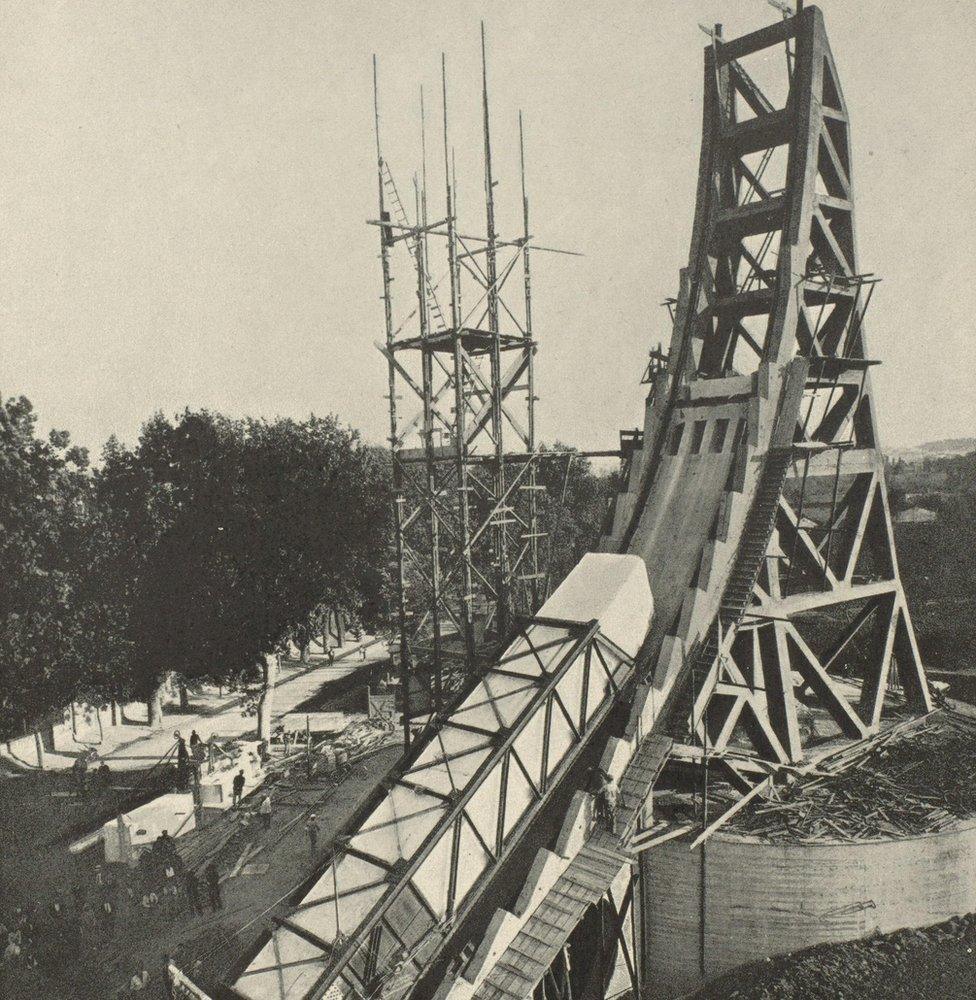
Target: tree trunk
307	652
265	702
340	629
74	722
39	748
184	698
115	713
154	707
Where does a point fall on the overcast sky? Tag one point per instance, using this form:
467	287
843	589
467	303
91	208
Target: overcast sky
185	187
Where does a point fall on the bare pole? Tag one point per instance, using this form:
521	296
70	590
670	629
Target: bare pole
398	497
461	445
427	379
500	533
530	375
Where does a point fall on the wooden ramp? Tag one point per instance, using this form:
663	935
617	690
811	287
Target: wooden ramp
584	883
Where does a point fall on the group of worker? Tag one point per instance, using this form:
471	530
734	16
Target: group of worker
87	777
197	752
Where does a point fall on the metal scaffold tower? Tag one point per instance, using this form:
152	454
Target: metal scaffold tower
468	553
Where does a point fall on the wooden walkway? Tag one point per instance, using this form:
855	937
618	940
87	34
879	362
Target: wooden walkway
588	877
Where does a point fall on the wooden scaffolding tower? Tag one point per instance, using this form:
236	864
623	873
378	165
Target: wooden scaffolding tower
469	553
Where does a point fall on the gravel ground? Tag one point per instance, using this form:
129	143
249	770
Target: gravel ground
935	963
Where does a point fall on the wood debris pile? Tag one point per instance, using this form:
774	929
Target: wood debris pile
360	738
907	782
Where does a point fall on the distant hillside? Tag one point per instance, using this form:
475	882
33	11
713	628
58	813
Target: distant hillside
934	449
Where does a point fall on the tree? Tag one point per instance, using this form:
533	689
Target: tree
310	533
572	509
250	529
130	509
44	485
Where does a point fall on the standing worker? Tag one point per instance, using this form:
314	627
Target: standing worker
264	810
607	794
182	763
213	886
312	829
238	787
193	892
80	769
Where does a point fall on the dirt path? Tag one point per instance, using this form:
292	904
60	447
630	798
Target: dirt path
133	746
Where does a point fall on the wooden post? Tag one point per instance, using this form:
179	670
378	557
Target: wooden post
154	708
266	699
197	796
308	745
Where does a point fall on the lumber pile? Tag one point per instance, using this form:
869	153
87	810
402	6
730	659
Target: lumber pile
205	843
361	737
911	780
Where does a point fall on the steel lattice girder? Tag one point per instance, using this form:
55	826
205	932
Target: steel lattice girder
418	862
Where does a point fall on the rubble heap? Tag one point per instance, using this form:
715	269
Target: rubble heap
910	781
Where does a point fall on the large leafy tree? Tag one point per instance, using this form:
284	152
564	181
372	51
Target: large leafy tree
251	528
44	489
309	532
135	505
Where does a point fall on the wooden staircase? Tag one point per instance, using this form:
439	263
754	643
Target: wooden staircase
738	590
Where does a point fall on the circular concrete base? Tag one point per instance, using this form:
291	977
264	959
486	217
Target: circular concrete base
758	899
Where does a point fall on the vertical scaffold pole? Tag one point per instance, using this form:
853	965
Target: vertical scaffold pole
398	498
460	402
500	532
530	380
428	390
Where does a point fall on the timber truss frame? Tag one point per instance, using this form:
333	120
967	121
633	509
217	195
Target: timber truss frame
820	623
467	525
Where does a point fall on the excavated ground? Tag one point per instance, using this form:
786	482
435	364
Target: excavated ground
935	963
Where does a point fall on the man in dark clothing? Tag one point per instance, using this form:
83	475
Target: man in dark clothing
182	764
238	787
164	847
80	769
213	886
193	892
